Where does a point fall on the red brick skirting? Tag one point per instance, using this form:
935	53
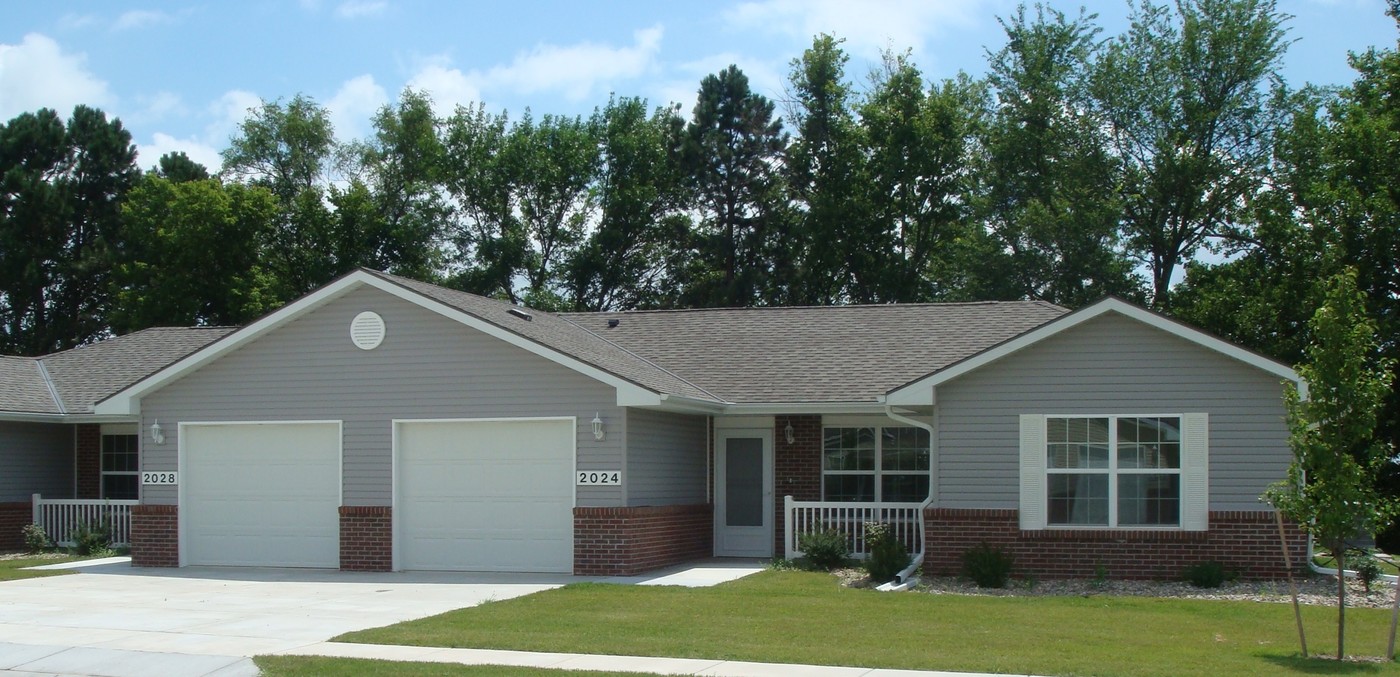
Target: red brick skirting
155	536
1247	543
627	541
13	517
88	459
366	538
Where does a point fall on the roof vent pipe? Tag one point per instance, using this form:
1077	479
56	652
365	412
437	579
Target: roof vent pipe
520	314
612	324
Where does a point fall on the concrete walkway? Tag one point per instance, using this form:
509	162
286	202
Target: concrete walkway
111	620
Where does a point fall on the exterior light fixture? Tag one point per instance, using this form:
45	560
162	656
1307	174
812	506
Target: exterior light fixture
157	433
789	434
597	427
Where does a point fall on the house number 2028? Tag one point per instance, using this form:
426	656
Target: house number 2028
159	478
599	477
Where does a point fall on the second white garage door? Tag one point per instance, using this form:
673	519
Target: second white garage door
486	495
263	494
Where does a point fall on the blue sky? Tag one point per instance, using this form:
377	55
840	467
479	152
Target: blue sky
182	75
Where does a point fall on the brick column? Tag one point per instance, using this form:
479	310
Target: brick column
155	536
88	459
628	541
797	467
13	517
366	538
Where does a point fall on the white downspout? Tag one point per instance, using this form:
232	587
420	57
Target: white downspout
905	579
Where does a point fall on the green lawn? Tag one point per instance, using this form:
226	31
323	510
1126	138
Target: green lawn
1324	558
12	569
799	617
317	666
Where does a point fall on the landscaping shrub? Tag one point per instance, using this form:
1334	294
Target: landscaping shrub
1206	574
988	566
825	549
887	555
35	539
91	539
1366	566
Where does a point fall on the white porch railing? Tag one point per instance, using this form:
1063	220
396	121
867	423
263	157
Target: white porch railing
906	522
61	516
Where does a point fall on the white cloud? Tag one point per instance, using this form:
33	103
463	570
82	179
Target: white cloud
867	26
449	87
352	107
577	69
140	18
160	106
355	9
148	154
74	21
36	73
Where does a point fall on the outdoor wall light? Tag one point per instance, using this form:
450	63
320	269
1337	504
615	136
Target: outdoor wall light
597	427
789	434
157	433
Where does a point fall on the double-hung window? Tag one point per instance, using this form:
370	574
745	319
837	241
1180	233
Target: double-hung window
889	464
1114	471
120	474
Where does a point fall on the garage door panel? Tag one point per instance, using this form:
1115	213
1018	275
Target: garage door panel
262	494
486	495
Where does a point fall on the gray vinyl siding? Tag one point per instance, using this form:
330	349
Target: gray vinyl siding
428	366
38	459
666	462
1109	365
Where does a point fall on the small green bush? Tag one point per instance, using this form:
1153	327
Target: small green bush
825	549
91	539
988	566
1366	566
887	555
35	539
1209	574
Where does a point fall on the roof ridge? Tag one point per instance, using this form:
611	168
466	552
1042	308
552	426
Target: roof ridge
846	306
48	383
647	360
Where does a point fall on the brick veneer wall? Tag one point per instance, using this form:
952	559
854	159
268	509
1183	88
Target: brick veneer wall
797	467
628	541
13	517
1246	542
366	538
88	459
155	536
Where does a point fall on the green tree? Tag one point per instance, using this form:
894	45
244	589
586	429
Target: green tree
61	188
1331	490
192	255
639	193
1049	201
841	248
920	143
732	148
1184	96
179	167
554	164
488	240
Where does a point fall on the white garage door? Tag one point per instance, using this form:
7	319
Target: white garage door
486	495
261	494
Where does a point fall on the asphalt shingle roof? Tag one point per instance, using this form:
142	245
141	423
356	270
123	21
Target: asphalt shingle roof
23	388
816	354
87	374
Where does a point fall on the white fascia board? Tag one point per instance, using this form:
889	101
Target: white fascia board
127	402
906	394
916	395
778	408
28	417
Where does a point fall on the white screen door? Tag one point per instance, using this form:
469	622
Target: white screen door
744	493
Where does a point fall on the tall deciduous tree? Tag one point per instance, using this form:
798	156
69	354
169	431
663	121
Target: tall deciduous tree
1184	95
1049	200
1331	487
488	240
732	157
61	188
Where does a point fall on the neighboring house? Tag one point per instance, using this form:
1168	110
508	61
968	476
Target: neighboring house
381	423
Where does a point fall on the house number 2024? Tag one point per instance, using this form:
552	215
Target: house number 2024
159	478
599	477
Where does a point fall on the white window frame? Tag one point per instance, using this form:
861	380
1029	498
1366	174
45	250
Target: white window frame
1193	506
878	472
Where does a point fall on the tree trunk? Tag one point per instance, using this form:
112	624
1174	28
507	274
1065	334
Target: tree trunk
1340	559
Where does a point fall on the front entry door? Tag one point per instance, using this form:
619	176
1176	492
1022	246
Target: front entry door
744	493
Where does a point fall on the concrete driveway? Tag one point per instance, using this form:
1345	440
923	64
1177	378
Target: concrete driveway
116	620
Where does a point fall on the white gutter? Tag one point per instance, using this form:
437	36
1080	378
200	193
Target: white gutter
905	579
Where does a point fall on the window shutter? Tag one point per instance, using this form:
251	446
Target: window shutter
1195	472
1032	472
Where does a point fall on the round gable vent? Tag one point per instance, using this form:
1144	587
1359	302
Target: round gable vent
367	330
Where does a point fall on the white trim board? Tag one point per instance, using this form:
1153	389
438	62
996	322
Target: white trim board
920	392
